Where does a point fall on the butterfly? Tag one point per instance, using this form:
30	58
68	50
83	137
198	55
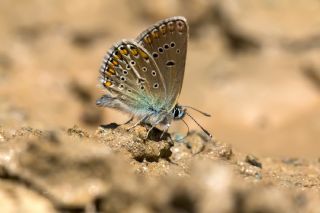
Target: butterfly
143	77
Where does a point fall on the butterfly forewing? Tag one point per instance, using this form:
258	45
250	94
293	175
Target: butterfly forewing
130	73
167	41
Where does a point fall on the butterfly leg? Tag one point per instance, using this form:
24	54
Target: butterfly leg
138	122
165	130
149	131
153	126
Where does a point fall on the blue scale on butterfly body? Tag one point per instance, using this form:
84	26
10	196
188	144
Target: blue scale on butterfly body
144	77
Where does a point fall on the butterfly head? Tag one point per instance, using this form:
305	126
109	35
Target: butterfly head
178	112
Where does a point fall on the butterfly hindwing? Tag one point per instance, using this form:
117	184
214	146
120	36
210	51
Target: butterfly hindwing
130	73
167	41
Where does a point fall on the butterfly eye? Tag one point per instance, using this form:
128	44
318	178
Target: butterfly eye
153	73
172	44
166	46
156	85
178	51
122	78
142	87
125	72
144	69
176	113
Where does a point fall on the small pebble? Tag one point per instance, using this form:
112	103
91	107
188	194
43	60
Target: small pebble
225	152
254	161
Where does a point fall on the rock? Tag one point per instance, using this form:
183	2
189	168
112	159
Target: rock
254	161
18	198
85	168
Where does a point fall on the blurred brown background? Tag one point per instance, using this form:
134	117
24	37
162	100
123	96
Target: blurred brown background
254	65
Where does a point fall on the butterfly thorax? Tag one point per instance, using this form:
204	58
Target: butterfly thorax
163	117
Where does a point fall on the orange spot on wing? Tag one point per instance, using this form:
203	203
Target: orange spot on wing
147	39
134	51
143	55
163	29
180	26
155	33
118	55
107	84
171	26
123	51
114	62
111	71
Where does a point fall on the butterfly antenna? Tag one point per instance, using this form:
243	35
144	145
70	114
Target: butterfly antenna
203	113
203	129
187	127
